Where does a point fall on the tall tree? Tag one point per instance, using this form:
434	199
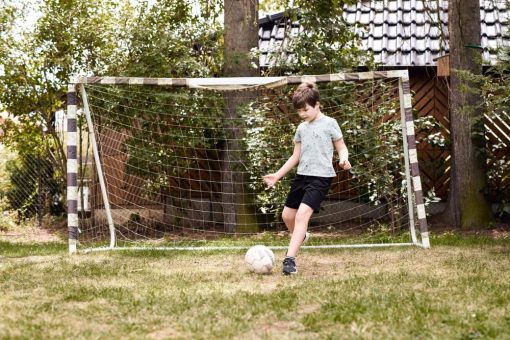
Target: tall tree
467	206
38	62
240	36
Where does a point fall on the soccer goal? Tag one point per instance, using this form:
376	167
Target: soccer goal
178	163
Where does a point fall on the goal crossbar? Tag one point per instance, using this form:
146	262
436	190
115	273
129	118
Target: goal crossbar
229	83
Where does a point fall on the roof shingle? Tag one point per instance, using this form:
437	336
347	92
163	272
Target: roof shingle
401	32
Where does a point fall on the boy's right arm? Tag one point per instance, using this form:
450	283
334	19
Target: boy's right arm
272	179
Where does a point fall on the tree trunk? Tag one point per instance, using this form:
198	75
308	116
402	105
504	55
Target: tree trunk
467	206
241	35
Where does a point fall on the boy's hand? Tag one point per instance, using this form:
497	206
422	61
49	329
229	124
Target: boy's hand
270	180
345	164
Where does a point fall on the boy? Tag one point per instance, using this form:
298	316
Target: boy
313	151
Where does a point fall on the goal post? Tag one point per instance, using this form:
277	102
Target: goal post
160	153
72	169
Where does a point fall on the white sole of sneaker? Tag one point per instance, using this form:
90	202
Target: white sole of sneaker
307	236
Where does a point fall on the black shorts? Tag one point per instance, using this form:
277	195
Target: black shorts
310	190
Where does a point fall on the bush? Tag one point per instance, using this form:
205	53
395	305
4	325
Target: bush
32	188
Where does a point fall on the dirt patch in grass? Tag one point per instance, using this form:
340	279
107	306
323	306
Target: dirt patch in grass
51	231
166	332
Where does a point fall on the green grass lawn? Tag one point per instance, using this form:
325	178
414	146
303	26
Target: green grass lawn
459	289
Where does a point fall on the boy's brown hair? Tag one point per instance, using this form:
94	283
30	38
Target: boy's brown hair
306	93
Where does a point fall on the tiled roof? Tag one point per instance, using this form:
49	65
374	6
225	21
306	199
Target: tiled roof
401	32
272	33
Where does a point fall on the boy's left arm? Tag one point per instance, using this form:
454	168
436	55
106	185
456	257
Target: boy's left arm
343	154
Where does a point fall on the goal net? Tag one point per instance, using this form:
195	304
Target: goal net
178	163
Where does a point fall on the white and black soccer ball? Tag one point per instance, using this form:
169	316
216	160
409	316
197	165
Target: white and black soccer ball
260	259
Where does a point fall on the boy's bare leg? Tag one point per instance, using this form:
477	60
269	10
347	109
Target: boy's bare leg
301	220
289	217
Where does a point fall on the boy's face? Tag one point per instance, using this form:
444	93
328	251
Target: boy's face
309	113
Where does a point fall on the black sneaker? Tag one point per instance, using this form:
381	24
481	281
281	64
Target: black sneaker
289	266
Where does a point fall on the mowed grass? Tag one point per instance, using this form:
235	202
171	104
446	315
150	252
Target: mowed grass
459	289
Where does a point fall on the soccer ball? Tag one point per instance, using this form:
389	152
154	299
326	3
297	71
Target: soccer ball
259	259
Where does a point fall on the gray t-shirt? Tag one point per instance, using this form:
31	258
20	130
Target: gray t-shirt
316	138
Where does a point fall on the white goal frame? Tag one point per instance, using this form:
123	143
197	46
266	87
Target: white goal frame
414	192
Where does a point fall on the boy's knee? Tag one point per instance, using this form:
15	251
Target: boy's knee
302	216
287	216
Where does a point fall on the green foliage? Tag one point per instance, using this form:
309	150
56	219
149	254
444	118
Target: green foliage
268	139
375	140
372	129
32	187
38	61
68	40
496	107
271	6
6	156
165	129
99	37
325	44
494	89
166	39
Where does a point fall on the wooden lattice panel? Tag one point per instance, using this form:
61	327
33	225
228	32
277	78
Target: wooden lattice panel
430	98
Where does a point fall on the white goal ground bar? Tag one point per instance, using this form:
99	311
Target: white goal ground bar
332	246
246	83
